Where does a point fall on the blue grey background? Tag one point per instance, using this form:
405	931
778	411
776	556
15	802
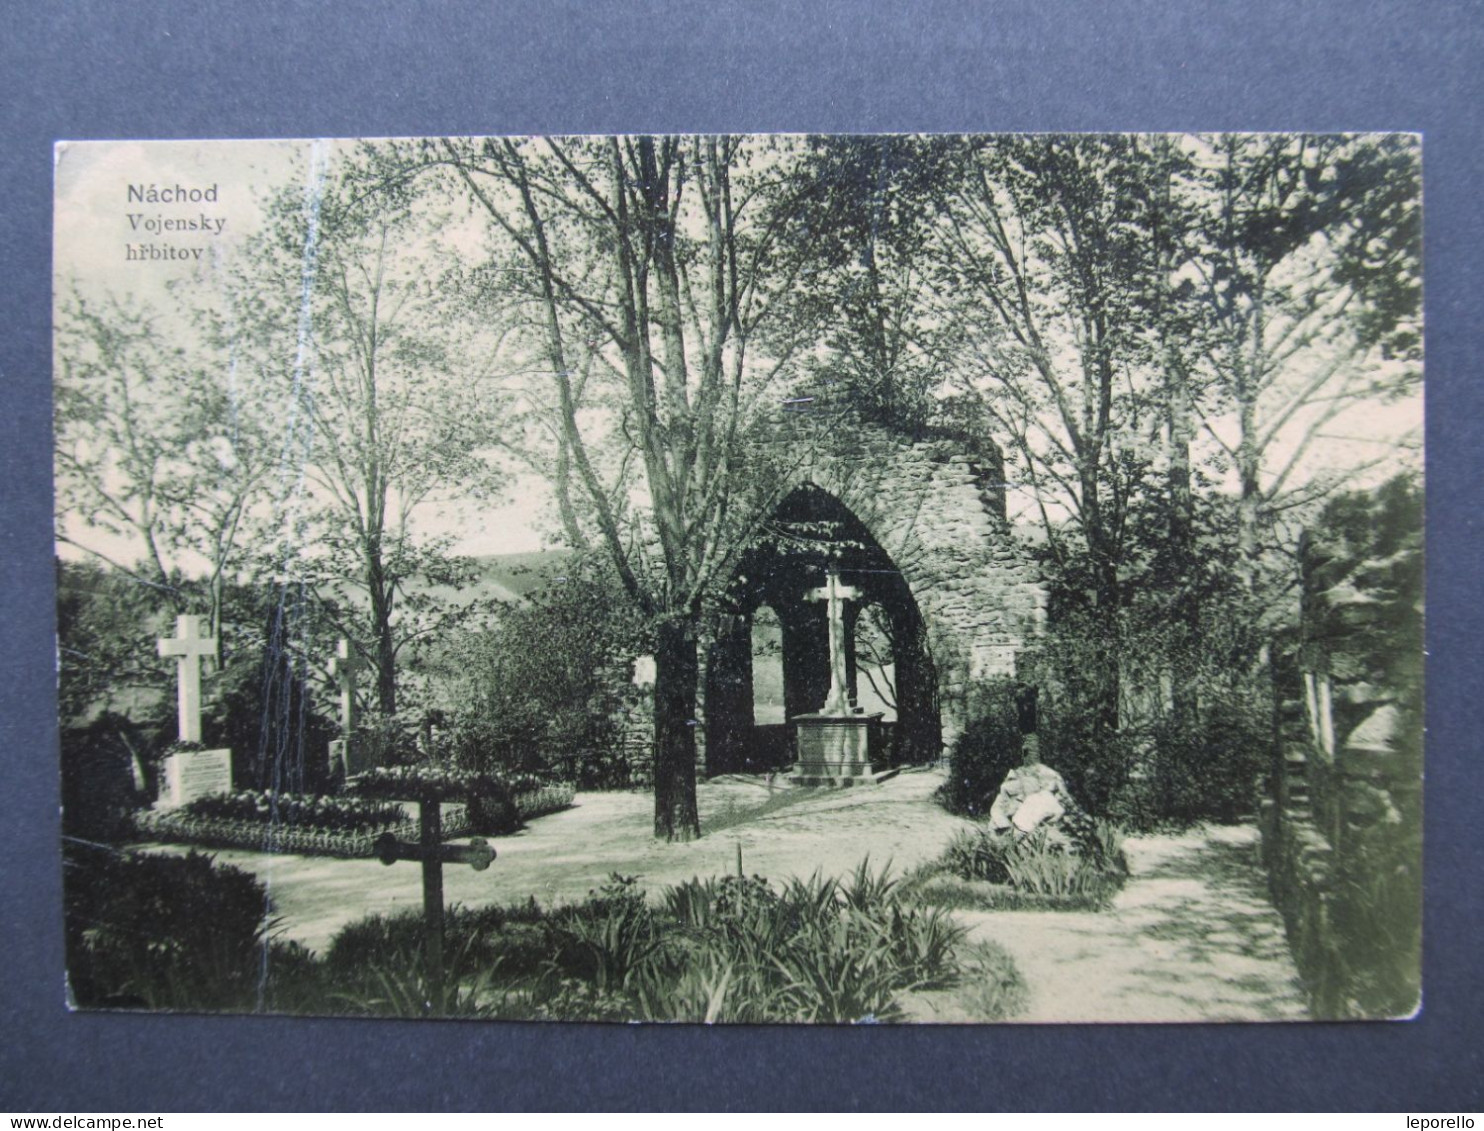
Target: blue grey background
90	69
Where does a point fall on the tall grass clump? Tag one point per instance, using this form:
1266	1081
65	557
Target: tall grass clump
983	869
728	949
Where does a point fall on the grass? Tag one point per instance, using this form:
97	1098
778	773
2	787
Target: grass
991	986
981	870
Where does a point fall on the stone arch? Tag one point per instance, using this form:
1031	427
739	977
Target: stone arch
934	508
777	572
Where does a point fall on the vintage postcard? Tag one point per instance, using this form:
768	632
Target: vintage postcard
764	579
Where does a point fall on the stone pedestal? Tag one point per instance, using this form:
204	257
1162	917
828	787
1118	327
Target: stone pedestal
348	758
192	774
838	750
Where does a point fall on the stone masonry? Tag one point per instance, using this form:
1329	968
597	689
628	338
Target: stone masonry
937	507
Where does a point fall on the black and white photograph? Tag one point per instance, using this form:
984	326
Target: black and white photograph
742	579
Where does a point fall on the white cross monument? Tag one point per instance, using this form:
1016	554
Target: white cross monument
188	646
343	666
188	775
835	595
837	745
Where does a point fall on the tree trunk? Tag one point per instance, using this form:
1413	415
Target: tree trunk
1108	600
1187	610
385	644
677	670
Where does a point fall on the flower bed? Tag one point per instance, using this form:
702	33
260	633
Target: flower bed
532	803
327	826
531	796
344	815
438	783
179	826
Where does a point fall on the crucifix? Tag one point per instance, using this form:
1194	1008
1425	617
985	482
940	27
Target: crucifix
433	854
343	666
188	646
835	595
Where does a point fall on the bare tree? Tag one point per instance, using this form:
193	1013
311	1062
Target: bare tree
396	404
657	277
1306	263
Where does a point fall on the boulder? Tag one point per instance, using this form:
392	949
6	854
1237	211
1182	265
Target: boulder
1036	809
1030	797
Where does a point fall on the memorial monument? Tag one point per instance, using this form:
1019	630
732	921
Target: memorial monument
838	744
189	774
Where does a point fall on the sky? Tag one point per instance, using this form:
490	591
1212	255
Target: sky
117	230
97	223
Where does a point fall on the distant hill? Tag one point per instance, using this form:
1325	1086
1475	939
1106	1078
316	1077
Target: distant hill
507	577
520	574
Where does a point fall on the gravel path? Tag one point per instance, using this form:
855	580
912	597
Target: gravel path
1191	937
782	831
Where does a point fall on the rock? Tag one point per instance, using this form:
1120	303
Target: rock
1038	790
1379	732
1036	809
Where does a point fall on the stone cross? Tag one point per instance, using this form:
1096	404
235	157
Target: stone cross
188	646
343	666
835	595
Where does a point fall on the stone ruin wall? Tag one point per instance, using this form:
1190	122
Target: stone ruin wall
937	507
1346	787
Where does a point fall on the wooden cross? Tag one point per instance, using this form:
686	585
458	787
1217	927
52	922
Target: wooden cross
343	666
188	646
433	854
835	595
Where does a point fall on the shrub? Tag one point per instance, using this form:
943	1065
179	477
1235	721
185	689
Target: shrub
551	710
1099	767
1210	769
98	775
976	855
988	749
1041	867
262	708
386	740
162	932
1376	944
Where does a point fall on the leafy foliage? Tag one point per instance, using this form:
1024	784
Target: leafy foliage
1195	703
984	869
106	622
162	932
512	708
990	746
723	949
